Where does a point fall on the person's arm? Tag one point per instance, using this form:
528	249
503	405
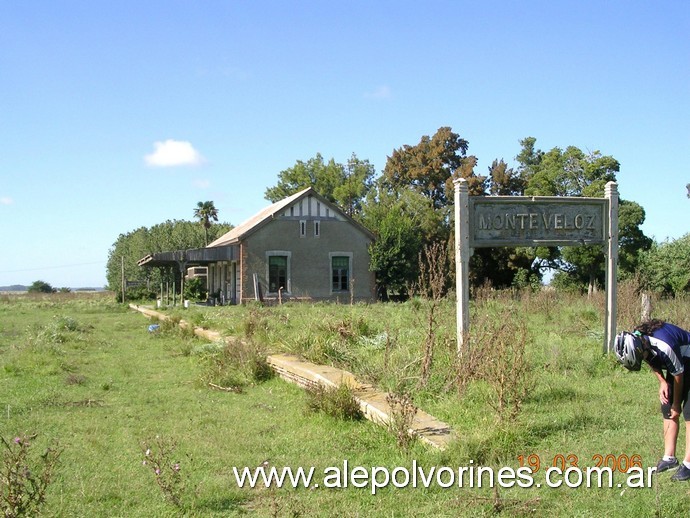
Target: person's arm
677	395
663	386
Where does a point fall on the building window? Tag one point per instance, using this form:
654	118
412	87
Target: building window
302	228
317	228
277	273
340	268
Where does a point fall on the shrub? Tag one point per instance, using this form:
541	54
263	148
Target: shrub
338	402
195	289
41	287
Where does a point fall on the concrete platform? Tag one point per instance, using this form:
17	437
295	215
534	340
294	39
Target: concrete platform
372	401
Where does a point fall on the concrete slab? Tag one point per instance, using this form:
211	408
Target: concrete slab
373	402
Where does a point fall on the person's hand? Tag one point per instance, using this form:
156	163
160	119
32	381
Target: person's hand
663	393
675	411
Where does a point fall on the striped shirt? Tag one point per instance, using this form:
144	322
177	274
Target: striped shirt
670	347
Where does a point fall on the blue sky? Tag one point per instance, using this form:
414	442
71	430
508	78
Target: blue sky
117	115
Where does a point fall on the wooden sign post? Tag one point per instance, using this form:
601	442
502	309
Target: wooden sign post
495	221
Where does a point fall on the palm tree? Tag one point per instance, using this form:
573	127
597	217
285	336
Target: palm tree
206	212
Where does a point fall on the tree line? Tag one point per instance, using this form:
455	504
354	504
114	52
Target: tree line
171	235
408	206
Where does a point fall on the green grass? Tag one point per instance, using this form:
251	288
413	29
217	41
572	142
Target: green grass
86	371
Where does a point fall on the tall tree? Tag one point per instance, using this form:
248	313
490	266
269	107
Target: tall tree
356	182
505	181
431	166
345	185
41	287
571	172
529	158
505	266
206	213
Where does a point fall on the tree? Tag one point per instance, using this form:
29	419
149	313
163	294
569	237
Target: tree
356	182
431	166
394	253
345	185
632	241
504	181
665	267
571	173
163	237
506	266
575	173
40	287
206	212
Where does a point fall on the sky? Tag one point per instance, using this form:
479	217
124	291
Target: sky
118	115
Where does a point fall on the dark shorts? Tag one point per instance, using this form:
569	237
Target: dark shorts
666	409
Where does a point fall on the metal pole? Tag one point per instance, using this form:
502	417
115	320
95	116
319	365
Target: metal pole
462	256
611	194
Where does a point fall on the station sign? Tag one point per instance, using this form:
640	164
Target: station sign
536	221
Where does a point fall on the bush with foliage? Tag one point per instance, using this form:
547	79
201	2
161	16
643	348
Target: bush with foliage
41	287
195	289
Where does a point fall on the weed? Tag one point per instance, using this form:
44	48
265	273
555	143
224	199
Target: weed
159	456
24	480
234	365
338	402
66	323
75	379
254	321
402	414
47	337
199	320
468	365
501	361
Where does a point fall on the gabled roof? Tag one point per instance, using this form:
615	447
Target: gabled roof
267	214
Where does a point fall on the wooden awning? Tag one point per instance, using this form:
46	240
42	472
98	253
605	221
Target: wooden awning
191	257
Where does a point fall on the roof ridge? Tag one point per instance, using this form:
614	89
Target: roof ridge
257	218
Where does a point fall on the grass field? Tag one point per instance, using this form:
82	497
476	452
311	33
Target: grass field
85	371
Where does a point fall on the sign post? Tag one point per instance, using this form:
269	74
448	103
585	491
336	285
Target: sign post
462	259
494	221
611	194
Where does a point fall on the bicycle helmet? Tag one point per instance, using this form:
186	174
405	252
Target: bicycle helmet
628	349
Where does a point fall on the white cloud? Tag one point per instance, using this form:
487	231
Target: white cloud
172	153
382	92
6	200
201	184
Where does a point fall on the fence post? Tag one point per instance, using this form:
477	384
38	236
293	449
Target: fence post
646	307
